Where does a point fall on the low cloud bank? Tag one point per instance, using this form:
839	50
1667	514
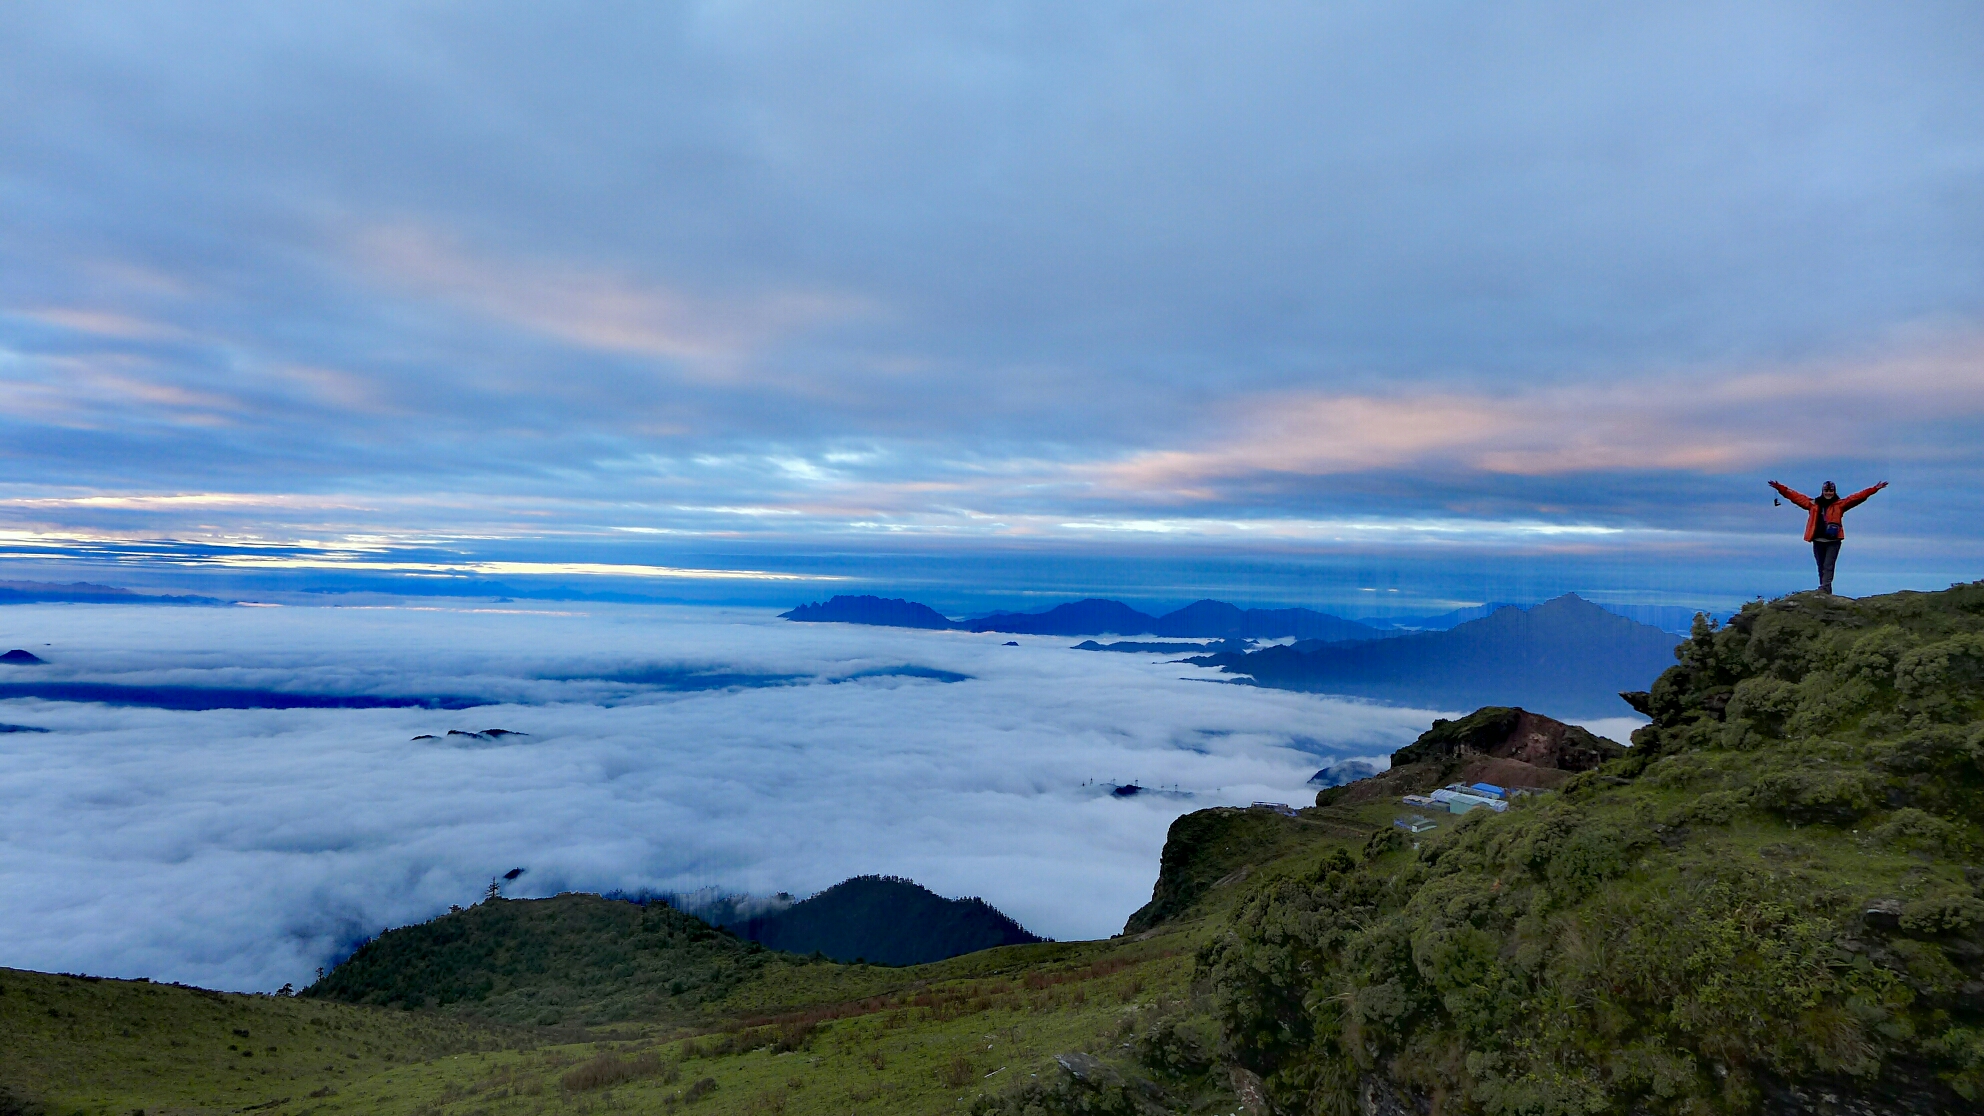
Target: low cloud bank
242	848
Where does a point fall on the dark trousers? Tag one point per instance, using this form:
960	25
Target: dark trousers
1826	553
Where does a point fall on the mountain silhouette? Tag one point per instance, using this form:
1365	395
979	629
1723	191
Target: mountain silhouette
1097	616
85	592
877	611
1566	655
1439	622
1090	617
1217	618
885	920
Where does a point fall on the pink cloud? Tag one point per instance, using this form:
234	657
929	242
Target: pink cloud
1699	421
594	308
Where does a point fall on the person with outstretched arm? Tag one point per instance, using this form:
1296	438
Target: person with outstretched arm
1824	526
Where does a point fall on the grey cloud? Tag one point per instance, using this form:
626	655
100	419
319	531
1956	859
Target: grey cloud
1022	234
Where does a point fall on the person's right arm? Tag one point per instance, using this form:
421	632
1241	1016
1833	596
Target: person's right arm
1793	495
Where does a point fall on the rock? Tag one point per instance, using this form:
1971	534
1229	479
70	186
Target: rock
1087	1068
1381	1097
1883	914
1252	1094
1503	732
1506	746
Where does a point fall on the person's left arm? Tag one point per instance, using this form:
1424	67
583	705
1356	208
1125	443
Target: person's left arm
1858	497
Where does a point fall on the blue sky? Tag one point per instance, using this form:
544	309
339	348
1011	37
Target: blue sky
1283	302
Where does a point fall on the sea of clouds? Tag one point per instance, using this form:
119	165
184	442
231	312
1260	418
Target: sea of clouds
243	848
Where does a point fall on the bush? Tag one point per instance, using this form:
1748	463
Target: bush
958	1072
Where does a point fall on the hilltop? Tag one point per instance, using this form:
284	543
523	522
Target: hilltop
886	921
547	961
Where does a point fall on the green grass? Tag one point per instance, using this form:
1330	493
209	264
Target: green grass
1209	854
572	958
84	1045
921	1051
926	1039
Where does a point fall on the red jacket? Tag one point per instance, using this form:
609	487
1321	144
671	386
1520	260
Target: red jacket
1834	514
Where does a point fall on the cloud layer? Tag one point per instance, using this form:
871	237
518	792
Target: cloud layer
242	848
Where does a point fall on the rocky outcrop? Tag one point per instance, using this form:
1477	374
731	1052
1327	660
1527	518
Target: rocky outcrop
1503	745
1505	732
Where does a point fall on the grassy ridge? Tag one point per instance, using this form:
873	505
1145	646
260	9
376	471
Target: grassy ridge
548	961
1773	892
1223	847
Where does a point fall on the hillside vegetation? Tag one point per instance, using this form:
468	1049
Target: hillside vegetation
1768	905
1771	897
122	1045
575	958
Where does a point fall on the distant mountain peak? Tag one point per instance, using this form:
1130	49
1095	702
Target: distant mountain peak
88	592
1566	654
886	920
888	612
1202	619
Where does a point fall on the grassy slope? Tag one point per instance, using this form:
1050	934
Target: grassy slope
775	1033
116	1045
1776	887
